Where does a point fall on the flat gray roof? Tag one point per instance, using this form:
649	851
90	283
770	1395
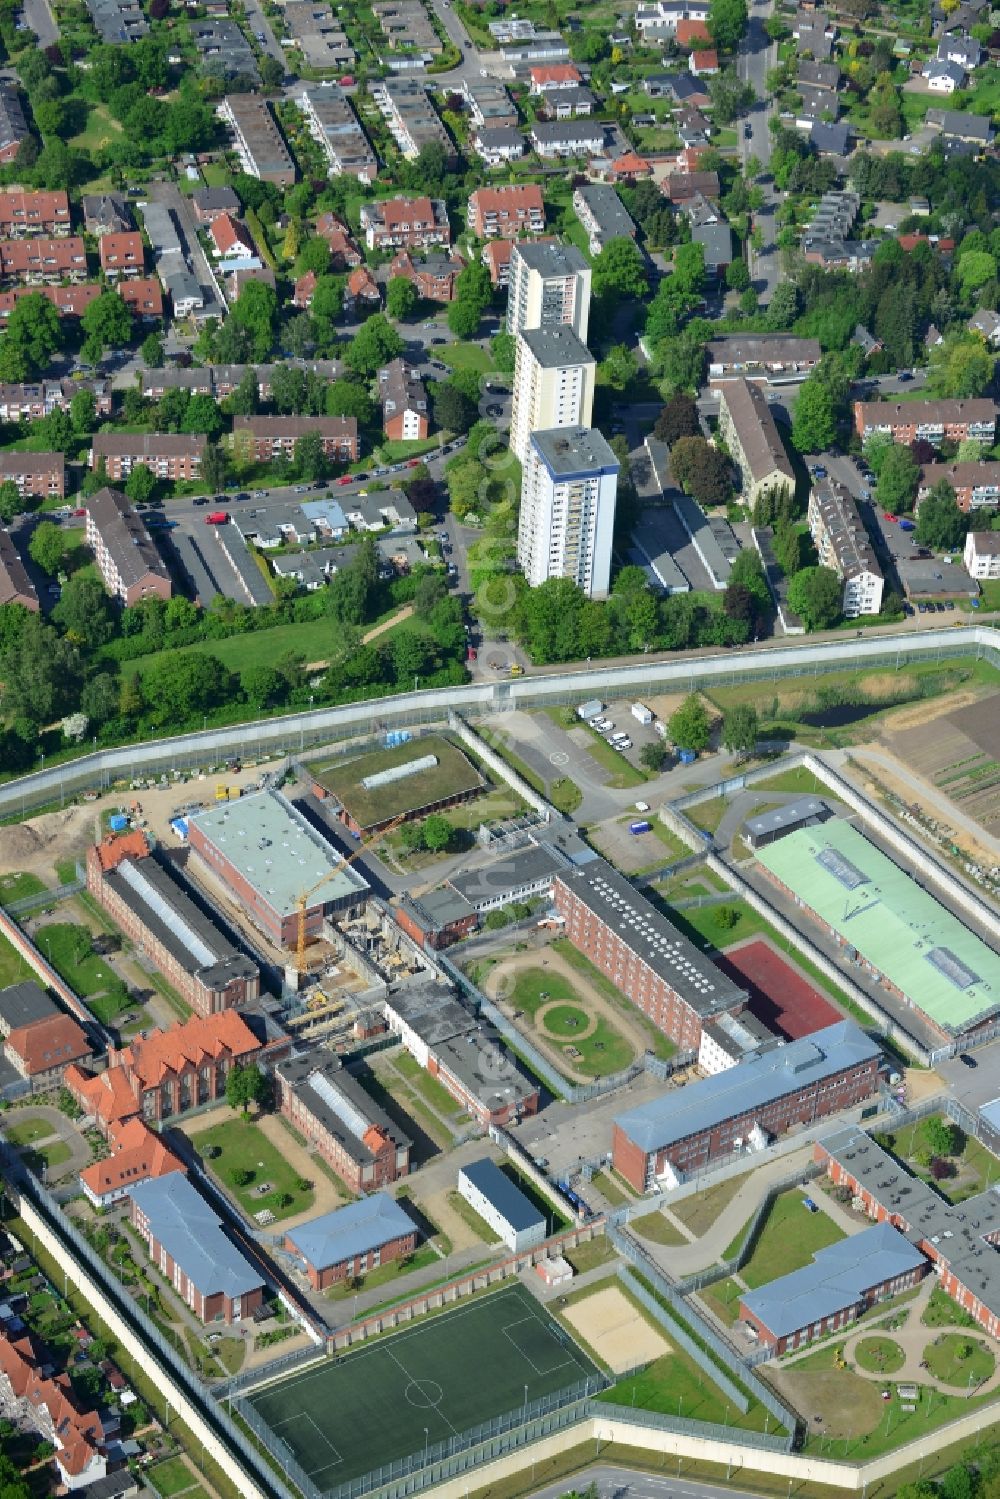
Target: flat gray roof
571	451
551	260
23	1004
653	938
512	871
277	851
509	1201
757	1081
788	816
557	345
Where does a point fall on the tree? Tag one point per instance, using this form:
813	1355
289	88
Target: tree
108	321
376	343
310	457
84	612
463	318
730	95
619	270
975	269
960	367
245	1084
83	412
748	572
151	350
940	523
215	466
816	594
180	687
401	298
11	503
203	416
737	275
939	1137
503	347
701	470
814	425
689	725
262	685
31	337
256	312
678	418
898	476
739	728
453	411
47	547
727	21
140	484
651	757
438	832
350	398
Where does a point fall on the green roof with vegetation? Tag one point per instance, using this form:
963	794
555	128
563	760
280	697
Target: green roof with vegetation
453	775
899	928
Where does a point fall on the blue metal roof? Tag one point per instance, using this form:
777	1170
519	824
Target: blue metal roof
330	512
752	1084
509	1202
351	1231
191	1232
837	1279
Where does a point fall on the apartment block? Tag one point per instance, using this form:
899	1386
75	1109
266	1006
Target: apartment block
489	102
35	399
749	432
603	215
123	549
68	301
757	356
168	455
16	586
259	143
334	125
24	213
404	403
121	254
568	494
37	259
549	285
410	115
13	126
976	485
37	474
407	27
931	421
844	545
277	435
506	212
553	384
434	276
405	223
319	35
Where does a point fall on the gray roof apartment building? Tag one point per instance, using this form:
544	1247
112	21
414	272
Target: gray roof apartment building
259	143
118	22
756	356
16	586
224	51
13	126
38	474
844	545
411	116
342	1121
336	128
748	429
168	455
123	549
603	214
319	35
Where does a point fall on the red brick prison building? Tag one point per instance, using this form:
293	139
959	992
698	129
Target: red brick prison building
467	1059
352	1240
962	1242
646	958
167	1072
189	1246
158	914
342	1122
742	1108
910	421
831	1293
267	856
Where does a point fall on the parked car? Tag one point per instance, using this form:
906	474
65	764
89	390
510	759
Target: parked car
966	1060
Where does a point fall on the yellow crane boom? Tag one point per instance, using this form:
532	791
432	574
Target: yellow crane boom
342	863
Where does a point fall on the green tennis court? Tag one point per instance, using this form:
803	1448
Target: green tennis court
421	1386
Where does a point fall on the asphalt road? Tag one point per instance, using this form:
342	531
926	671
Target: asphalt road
260	27
757	55
624	1483
38	16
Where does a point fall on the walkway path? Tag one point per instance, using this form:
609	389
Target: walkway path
913	1338
63	1127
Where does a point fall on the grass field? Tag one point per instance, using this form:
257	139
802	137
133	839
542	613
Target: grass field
975	1167
657	1042
879	1355
957	1360
452	774
12	966
385	1275
604	1050
28	1130
657	1229
700	1211
407	1392
461	356
15	887
942	1311
244	1147
789	1239
68	948
56	1153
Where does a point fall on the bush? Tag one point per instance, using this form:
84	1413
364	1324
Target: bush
496	920
727	917
941	1169
241	1177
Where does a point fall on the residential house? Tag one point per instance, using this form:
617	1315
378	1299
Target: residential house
16	586
986	322
231	240
963	50
106	213
976	129
13	126
209	202
498	144
548	76
362	293
495	256
981	555
404	403
680	187
44	1402
748	429
33	260
603	215
822	75
434	276
506	212
122	254
943	77
976	484
124	551
344	253
143	297
305	288
704	63
567	138
26	213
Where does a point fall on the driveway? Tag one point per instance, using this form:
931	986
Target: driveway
171	197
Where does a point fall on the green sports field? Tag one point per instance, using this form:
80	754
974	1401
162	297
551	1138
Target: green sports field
421	1386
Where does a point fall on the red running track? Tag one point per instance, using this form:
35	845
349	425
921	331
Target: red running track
779	996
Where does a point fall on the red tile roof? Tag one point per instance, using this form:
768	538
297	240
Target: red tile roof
407	211
54	1042
121	250
705	62
692	34
144	295
108	1096
304	288
77	1434
115	848
150	1059
137	1154
228	234
556	72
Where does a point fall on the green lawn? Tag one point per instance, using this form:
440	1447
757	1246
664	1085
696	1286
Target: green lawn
385	1274
316	639
796	779
172	1477
244	1147
699	1211
622	772
15	887
67	946
723	1297
675	845
613	1187
657	1229
789	1239
942	1311
589	1255
604	1050
976	1168
12	966
100	130
471	1218
434	1093
959	1360
879	1355
30	1129
53	1154
657	1042
392	451
707	815
705	922
462	356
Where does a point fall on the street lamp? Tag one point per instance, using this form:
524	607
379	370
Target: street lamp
427	1444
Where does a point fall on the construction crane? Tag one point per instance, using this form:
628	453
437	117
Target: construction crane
303	900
